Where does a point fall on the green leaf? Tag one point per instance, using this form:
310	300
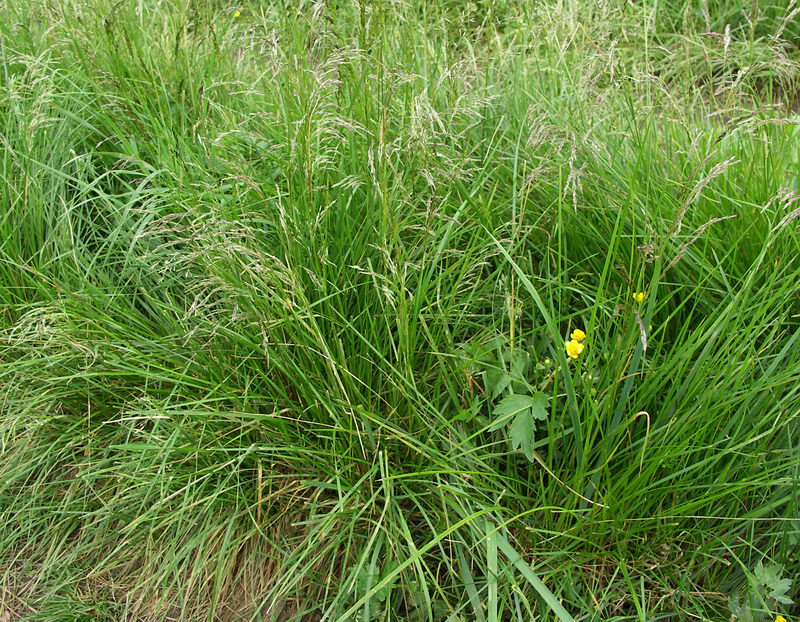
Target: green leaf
513	404
523	410
770	578
522	433
519	363
781	586
495	381
539	406
510	407
741	611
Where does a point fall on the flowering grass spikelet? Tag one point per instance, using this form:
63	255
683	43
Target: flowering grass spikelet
574	348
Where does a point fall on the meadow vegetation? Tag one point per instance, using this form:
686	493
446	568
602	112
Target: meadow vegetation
285	289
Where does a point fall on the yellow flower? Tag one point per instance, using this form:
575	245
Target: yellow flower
578	335
574	348
237	14
781	619
638	296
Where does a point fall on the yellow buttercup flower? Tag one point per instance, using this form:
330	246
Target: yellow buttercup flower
237	14
638	296
574	348
781	619
578	335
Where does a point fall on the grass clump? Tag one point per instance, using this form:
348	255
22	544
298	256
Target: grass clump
285	288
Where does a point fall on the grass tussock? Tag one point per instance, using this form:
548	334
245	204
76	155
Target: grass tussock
285	287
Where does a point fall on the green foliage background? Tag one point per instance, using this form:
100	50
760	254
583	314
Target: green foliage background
265	280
